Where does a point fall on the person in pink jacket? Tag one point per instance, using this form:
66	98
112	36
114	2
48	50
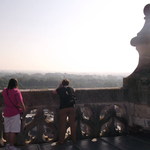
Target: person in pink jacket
14	107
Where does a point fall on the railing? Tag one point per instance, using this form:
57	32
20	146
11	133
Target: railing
99	112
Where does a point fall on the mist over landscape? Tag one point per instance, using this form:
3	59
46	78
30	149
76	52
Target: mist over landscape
40	80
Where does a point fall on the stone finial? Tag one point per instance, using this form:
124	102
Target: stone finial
147	10
143	37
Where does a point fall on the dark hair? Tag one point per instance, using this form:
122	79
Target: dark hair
65	82
13	83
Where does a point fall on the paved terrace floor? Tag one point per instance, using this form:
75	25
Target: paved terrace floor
104	143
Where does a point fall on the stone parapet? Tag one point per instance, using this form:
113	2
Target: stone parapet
99	112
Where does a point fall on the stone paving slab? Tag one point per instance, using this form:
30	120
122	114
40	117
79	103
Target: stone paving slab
127	143
143	137
28	147
103	143
53	146
98	144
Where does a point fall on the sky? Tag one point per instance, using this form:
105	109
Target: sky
71	36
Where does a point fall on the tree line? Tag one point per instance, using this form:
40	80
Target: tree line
52	80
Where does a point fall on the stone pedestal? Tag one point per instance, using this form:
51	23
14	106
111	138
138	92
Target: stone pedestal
138	83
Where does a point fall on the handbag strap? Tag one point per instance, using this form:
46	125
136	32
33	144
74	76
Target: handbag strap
10	100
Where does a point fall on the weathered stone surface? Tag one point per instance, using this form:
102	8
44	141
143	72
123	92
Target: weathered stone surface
139	115
138	83
99	112
142	111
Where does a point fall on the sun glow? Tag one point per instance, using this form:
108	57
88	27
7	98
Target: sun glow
70	36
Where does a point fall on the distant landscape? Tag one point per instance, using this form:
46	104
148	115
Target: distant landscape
52	80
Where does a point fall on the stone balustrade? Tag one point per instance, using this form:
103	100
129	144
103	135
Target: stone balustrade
99	112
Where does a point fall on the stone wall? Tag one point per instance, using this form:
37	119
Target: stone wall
139	116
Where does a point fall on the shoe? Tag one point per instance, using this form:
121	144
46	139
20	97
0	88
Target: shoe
59	142
13	148
74	142
7	148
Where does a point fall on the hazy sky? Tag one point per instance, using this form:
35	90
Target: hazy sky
70	35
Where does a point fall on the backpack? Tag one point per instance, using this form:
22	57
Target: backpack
71	98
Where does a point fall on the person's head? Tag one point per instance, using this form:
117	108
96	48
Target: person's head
13	83
65	82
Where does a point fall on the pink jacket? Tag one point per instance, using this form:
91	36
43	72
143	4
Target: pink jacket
16	98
